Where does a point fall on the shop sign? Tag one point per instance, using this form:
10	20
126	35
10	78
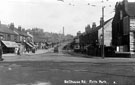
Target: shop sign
132	24
132	42
10	44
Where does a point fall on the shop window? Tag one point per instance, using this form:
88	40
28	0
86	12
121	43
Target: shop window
1	37
20	38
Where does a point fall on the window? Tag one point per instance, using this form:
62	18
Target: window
21	38
121	14
1	37
8	37
15	37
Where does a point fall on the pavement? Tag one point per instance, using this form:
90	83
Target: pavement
39	51
40	55
24	56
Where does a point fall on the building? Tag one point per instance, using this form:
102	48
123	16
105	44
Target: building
87	29
107	38
30	38
123	32
8	38
90	41
107	33
40	41
23	39
76	44
21	34
76	41
78	33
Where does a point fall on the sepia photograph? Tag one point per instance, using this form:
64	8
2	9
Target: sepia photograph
67	42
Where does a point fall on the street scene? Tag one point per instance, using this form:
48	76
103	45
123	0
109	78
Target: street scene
67	42
49	68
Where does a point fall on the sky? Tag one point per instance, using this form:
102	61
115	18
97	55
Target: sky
53	15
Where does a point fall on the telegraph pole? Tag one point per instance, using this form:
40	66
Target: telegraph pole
103	50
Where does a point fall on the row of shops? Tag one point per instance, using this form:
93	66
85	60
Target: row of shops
119	34
12	47
12	39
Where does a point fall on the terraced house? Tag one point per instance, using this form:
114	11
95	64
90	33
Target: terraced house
23	38
12	37
90	41
8	38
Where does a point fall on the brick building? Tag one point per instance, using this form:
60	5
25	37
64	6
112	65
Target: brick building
90	41
123	32
8	38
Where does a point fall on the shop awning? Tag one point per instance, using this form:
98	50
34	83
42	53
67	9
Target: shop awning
10	44
32	43
29	44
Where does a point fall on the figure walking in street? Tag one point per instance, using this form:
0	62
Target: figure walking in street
1	52
18	52
56	50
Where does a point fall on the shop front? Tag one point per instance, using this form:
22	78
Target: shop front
132	36
9	46
32	44
29	46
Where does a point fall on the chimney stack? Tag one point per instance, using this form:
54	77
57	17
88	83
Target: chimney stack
23	30
78	33
93	25
87	28
12	27
19	28
101	21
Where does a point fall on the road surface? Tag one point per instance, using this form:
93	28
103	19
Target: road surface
65	69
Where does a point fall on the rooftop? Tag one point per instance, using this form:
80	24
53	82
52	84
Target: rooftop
21	32
130	8
5	29
97	28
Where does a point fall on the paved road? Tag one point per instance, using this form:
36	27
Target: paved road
63	69
66	73
44	55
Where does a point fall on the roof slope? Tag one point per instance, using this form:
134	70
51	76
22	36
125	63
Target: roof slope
130	8
5	29
99	27
21	33
38	39
96	29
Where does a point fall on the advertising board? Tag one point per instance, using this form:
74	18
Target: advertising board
132	24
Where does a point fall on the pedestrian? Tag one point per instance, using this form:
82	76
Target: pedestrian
1	52
18	52
28	49
33	49
56	50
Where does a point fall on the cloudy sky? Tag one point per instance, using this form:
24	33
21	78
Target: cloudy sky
52	15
